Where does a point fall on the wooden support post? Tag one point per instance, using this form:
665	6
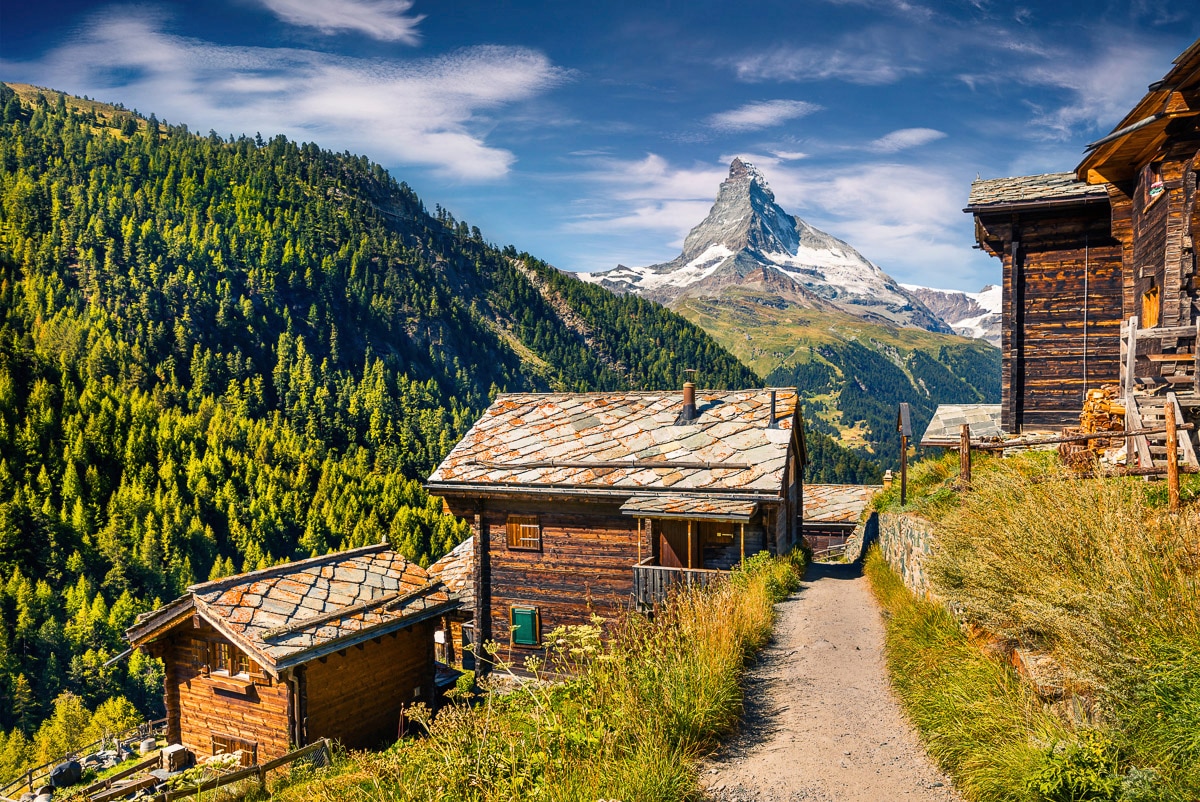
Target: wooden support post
689	544
639	539
1172	458
903	470
964	457
743	543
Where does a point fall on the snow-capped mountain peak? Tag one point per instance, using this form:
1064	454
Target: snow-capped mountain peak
748	238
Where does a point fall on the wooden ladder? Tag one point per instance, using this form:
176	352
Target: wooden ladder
1149	412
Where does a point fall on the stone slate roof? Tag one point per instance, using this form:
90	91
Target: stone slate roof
1000	192
946	426
696	507
626	441
456	571
837	504
293	613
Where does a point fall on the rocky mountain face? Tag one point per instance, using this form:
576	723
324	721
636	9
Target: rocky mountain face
748	239
971	314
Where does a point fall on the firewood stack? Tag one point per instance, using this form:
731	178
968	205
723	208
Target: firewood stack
1103	411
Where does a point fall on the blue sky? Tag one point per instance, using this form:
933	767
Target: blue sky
596	133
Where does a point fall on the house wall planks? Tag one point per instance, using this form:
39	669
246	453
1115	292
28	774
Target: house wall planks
356	696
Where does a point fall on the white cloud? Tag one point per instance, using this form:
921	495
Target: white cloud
905	138
851	61
380	19
761	114
430	112
1103	84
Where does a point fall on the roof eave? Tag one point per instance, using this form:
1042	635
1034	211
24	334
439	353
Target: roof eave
364	635
585	491
1036	205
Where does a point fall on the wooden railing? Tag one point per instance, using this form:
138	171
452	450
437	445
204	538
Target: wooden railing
652	583
39	775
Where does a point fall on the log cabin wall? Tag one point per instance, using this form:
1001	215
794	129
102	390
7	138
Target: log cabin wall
355	696
584	565
204	709
1061	265
1160	228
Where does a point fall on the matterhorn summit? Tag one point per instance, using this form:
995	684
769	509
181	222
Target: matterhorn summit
749	241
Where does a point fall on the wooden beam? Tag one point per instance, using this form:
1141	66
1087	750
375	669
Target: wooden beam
1172	459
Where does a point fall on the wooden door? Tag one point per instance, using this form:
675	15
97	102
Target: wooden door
672	543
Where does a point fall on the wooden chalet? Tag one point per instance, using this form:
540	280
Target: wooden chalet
1061	318
584	502
331	647
1100	266
831	513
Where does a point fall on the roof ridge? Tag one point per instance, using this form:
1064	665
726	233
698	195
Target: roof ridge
675	391
287	568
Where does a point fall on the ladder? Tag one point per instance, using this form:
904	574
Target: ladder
1175	369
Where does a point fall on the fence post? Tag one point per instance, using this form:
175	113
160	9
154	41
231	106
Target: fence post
964	457
1172	459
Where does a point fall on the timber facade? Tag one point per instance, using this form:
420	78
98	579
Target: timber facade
1100	270
1062	297
585	504
332	647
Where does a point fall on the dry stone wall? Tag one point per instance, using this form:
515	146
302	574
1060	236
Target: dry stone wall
906	542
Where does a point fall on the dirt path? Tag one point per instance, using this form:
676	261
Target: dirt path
821	722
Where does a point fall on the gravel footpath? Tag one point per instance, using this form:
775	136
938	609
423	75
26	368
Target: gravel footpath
821	722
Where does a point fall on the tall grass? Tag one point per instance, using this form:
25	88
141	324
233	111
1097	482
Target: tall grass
1093	572
643	699
979	723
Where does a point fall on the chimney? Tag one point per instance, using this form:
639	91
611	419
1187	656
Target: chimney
689	402
773	423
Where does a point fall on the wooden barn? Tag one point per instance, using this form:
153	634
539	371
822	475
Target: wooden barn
334	646
1061	318
580	502
831	512
1100	269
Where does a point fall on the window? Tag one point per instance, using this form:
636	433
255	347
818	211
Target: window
524	532
524	626
228	745
1151	306
227	658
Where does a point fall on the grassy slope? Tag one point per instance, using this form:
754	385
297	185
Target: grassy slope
1094	572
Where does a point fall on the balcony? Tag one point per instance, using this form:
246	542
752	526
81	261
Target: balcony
652	583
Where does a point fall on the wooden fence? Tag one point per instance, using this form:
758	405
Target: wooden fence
39	775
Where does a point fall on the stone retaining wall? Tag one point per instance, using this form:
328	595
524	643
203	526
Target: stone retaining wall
906	542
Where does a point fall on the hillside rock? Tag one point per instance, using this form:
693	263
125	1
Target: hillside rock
748	239
971	314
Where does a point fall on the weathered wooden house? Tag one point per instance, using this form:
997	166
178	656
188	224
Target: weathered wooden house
456	632
334	646
1061	318
1100	269
580	502
831	512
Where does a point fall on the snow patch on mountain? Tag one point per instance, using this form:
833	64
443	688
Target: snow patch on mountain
971	314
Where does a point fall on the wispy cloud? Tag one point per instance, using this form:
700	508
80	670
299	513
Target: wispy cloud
904	139
380	19
762	114
431	112
1102	83
819	64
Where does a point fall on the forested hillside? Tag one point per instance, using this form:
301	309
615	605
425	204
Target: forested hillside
219	354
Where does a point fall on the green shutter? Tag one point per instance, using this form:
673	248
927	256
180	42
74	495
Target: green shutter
524	621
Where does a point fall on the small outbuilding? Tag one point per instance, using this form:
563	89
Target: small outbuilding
831	512
330	647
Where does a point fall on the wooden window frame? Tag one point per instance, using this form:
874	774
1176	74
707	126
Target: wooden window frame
537	625
228	660
231	743
523	533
